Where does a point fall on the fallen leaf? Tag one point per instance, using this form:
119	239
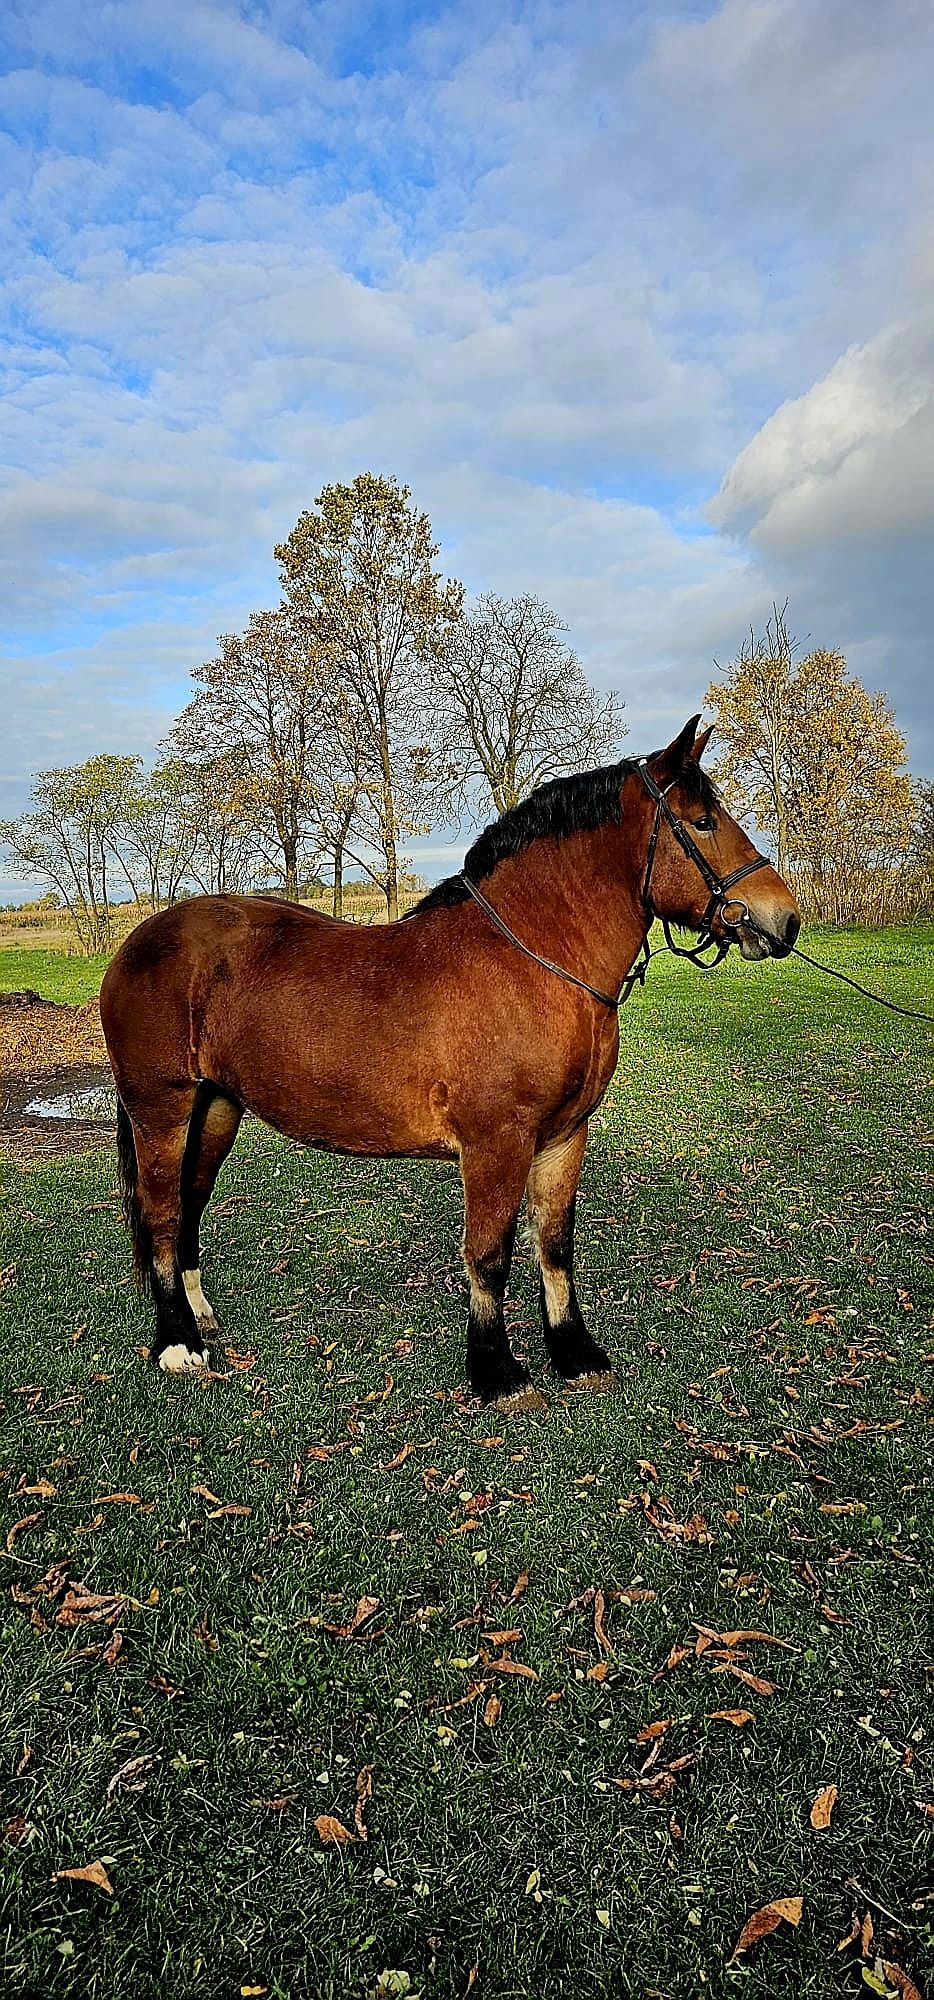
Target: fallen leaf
118	1500
330	1831
599	1672
900	1980
737	1716
651	1730
95	1873
823	1807
21	1528
393	1464
754	1681
364	1794
599	1624
364	1611
492	1711
131	1776
785	1910
519	1587
506	1666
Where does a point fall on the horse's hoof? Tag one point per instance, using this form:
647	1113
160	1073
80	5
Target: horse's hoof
519	1400
182	1360
604	1384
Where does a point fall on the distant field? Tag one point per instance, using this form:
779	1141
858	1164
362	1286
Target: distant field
753	1249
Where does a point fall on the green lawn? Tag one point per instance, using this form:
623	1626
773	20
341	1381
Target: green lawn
751	1248
50	973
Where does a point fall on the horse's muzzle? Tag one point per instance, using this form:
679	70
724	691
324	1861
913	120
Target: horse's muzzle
775	940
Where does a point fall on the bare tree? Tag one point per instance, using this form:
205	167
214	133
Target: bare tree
156	831
71	838
513	706
261	705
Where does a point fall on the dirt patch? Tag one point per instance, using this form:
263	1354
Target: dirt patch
45	1051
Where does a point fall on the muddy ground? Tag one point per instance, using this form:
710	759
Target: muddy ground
48	1051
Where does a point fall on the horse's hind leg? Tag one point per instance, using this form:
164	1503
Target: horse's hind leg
214	1125
160	1141
493	1182
552	1193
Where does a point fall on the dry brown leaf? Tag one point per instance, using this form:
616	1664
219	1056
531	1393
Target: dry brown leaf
900	1980
784	1910
95	1873
393	1464
746	1638
364	1794
118	1500
331	1832
823	1807
653	1729
519	1587
754	1681
506	1666
492	1711
21	1528
852	1934
599	1624
504	1638
599	1672
738	1716
866	1935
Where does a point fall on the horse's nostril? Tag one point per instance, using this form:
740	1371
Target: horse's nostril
792	929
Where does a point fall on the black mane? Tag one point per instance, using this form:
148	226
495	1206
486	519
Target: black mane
560	807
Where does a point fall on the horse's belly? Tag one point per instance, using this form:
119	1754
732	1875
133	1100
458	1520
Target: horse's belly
354	1113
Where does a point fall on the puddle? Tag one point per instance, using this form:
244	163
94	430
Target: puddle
97	1106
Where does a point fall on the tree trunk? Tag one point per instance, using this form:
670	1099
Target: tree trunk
291	871
338	902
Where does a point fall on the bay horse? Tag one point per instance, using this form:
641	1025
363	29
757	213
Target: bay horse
481	1027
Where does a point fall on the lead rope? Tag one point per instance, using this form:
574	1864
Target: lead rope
910	1013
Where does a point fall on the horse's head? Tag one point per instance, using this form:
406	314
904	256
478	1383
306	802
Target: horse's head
701	869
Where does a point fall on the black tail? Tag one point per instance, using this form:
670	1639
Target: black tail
128	1165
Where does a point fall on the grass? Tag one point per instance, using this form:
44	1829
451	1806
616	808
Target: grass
50	973
751	1247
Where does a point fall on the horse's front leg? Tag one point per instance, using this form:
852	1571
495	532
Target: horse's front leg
552	1192
494	1176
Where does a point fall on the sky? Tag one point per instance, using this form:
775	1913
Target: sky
637	298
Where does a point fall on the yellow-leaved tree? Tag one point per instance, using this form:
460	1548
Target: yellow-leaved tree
819	764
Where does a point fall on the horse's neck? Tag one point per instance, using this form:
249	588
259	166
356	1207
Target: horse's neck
577	901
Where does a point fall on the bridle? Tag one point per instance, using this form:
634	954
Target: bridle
719	885
720	902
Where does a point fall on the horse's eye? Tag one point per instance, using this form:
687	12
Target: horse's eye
706	825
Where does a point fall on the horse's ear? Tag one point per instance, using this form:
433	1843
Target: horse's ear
701	743
670	762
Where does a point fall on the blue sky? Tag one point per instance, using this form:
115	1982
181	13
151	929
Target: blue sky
638	299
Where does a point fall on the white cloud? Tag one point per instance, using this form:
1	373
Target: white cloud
556	269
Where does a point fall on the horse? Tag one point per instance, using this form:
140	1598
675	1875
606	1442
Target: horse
482	1026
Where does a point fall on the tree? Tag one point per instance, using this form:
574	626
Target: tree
360	572
261	704
818	762
71	838
221	842
514	707
157	831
